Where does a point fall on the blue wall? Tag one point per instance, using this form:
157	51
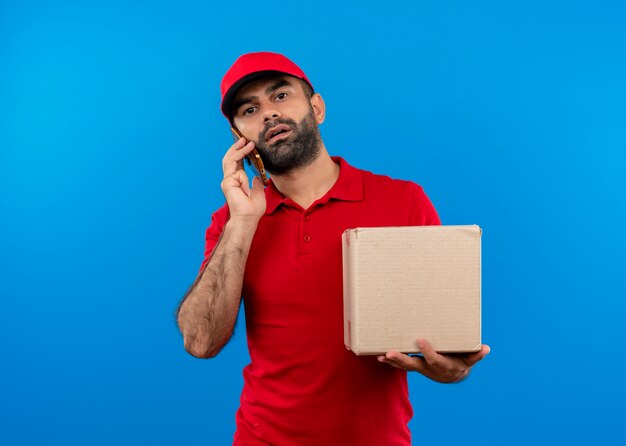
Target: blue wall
510	114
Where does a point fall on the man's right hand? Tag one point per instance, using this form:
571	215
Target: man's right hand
208	312
245	203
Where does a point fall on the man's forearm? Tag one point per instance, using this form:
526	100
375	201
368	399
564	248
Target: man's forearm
208	313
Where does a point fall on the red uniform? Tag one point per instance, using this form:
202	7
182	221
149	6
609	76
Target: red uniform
302	386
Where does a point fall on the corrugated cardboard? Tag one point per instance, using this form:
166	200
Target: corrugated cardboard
401	283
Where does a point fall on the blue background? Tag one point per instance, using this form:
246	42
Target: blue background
510	114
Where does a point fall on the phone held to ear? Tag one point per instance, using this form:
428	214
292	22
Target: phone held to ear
253	157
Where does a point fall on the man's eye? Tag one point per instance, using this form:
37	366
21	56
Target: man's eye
281	96
248	111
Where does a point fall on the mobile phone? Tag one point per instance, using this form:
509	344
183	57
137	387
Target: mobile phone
253	157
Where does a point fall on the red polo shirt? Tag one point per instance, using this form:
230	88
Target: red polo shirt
302	386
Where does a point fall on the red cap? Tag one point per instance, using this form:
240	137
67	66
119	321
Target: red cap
251	66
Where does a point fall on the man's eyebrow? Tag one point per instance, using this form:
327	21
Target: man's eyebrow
275	86
279	84
239	102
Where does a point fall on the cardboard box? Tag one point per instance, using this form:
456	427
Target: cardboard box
401	283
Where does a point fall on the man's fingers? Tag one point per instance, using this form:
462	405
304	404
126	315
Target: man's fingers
241	142
438	367
430	355
236	153
402	361
232	160
257	188
473	358
245	150
392	362
237	179
245	185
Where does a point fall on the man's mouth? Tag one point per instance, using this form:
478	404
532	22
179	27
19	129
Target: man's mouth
277	133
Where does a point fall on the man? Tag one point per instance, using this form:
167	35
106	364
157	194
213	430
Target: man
280	248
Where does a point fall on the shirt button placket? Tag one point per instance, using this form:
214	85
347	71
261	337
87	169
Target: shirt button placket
306	245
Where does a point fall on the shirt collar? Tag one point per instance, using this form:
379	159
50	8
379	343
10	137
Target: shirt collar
348	187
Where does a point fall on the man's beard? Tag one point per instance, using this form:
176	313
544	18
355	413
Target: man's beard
297	150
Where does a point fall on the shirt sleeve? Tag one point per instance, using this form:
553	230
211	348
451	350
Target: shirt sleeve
423	212
214	232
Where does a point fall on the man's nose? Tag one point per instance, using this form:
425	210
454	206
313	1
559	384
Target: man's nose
270	114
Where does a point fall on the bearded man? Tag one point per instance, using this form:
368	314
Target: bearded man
279	248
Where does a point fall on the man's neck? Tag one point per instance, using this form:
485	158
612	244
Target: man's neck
310	183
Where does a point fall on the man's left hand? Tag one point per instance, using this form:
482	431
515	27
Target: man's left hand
443	368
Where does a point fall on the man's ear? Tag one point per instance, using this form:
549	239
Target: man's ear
319	108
